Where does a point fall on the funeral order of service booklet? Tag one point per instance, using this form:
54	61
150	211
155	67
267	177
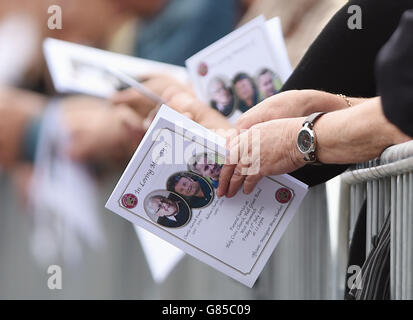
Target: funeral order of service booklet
169	188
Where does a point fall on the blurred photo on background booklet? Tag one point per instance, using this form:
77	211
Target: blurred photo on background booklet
169	189
241	69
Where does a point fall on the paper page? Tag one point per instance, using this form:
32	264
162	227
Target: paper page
162	257
62	198
76	68
167	190
241	69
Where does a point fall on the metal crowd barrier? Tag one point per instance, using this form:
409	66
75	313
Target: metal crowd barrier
387	185
300	268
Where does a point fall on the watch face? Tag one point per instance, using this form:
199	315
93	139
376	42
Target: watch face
304	141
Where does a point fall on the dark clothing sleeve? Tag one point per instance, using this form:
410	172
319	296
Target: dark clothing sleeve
394	69
342	60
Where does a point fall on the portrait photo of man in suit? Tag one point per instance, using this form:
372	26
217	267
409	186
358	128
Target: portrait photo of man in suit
167	209
268	83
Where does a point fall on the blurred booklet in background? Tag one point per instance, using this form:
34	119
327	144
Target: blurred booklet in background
169	189
75	68
234	73
241	69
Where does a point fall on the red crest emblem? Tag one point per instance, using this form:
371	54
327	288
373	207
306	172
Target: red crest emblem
283	195
129	201
202	69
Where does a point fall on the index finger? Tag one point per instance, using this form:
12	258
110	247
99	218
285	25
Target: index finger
249	118
224	178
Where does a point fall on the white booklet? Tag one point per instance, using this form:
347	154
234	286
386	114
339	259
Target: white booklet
169	189
76	68
241	69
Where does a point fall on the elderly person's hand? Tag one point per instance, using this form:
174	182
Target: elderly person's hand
265	149
343	137
292	104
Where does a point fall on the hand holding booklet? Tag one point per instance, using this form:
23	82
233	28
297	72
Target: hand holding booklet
169	189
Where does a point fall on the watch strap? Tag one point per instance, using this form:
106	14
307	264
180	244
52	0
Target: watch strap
311	157
312	118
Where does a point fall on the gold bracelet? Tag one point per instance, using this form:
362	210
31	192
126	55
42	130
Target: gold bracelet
346	99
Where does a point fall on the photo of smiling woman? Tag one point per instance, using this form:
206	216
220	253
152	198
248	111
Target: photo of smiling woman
196	190
245	91
167	209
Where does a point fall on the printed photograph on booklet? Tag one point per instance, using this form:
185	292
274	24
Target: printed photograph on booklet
242	69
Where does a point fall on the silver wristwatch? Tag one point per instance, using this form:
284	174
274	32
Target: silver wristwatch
306	141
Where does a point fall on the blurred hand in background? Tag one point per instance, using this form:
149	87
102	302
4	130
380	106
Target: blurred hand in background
100	133
17	109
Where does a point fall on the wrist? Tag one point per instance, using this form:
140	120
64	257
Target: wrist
327	141
345	137
310	101
319	101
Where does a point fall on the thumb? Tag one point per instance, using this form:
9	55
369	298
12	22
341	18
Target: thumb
189	115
